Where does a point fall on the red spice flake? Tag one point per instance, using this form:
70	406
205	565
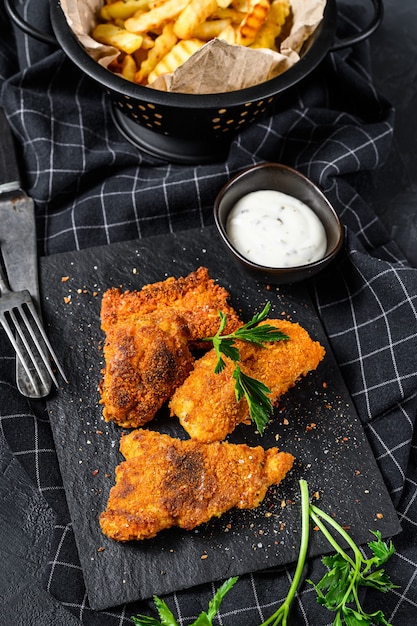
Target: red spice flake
328	406
315	528
67	299
357	472
99	432
285	421
64	279
204	556
282	526
316	495
94	472
324	384
95	293
100	549
311	426
379	516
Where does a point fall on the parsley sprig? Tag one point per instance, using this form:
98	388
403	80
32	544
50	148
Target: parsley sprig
204	619
254	391
338	588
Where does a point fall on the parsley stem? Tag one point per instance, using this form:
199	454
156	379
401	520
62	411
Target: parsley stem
316	514
280	616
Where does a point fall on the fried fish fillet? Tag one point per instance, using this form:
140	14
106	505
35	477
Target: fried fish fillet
148	338
206	403
167	482
196	297
146	359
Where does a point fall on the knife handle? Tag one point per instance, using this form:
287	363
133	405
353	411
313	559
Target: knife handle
9	171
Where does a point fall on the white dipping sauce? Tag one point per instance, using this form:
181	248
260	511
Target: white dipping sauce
276	230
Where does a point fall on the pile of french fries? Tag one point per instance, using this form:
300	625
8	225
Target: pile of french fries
155	37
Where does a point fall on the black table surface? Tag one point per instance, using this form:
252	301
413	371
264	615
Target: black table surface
392	193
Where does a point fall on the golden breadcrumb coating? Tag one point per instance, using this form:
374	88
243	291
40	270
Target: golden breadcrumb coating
196	297
146	359
206	403
167	482
148	338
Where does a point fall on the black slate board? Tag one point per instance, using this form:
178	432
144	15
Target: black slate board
316	421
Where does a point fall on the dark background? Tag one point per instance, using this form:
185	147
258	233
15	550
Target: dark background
392	193
392	190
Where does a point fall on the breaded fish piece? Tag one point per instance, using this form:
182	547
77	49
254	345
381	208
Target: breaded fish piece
206	403
196	297
148	338
146	359
168	482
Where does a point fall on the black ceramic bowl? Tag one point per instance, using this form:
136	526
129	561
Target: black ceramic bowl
285	179
190	128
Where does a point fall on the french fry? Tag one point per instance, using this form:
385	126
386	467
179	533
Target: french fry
156	17
253	21
129	68
271	28
157	36
122	9
210	29
235	17
228	35
242	6
112	35
194	14
176	57
162	45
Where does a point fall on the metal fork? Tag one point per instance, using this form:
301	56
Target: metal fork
23	327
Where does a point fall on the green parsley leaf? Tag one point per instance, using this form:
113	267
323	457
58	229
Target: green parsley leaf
380	549
204	619
166	616
255	392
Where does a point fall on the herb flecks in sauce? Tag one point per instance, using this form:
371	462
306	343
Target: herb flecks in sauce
274	229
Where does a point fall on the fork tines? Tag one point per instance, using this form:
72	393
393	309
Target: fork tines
20	320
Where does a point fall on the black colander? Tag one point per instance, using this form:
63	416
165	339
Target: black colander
191	128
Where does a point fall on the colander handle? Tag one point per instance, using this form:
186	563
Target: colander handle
27	28
367	32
